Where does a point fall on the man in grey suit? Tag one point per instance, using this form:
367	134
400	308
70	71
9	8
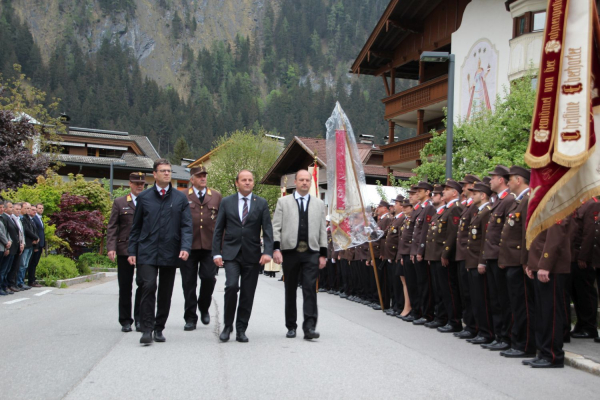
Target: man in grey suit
301	247
236	244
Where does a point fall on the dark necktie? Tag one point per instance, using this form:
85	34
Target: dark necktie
162	193
201	197
301	204
244	210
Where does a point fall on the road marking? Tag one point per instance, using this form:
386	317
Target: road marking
15	300
43	293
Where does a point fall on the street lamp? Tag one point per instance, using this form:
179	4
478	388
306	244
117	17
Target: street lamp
442	56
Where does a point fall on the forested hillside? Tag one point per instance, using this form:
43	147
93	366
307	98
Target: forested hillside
285	75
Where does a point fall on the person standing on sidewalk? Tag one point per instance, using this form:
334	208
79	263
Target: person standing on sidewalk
161	235
36	216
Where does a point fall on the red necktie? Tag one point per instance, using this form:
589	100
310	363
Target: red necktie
162	192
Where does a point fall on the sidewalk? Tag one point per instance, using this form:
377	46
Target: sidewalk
583	354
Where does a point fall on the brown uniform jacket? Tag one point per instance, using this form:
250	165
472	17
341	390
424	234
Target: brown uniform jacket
406	236
551	249
391	238
422	217
362	252
442	234
119	225
513	251
500	208
329	244
476	231
590	246
576	229
462	236
383	223
204	217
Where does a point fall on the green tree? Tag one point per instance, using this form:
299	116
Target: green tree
180	150
486	139
244	149
176	26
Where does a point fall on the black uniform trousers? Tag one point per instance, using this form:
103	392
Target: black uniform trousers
149	278
425	288
447	282
241	276
585	298
410	277
125	272
308	263
522	304
549	318
323	279
465	295
480	299
33	263
397	286
199	264
384	285
500	300
332	275
355	278
343	274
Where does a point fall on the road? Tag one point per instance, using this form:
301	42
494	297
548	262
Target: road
67	343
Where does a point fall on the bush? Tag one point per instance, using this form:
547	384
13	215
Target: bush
55	267
87	261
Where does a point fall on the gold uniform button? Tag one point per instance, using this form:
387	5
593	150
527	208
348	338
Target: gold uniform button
546	255
518	247
200	226
201	206
447	248
200	219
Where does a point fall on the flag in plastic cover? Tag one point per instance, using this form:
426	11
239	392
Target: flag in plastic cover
351	224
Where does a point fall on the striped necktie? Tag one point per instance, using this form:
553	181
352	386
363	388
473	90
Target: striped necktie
244	210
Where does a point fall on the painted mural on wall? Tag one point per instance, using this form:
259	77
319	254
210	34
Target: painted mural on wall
479	78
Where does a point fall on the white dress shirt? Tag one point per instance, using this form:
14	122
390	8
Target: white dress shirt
304	202
40	218
196	191
483	205
133	199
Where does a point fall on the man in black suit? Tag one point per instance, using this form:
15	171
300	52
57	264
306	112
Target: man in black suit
15	249
161	234
36	216
31	240
236	244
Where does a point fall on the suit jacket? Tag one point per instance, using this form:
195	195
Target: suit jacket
590	246
496	223
162	227
551	249
39	226
382	223
390	250
204	217
406	236
444	229
4	238
231	236
422	217
513	251
286	220
29	231
476	231
13	232
119	225
462	236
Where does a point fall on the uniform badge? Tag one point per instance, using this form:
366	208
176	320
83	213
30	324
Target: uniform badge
511	222
474	236
394	231
499	220
474	231
455	220
429	218
517	215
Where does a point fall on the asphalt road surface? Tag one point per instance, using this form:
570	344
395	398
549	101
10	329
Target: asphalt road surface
67	343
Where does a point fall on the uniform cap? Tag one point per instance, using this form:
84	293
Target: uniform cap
406	203
384	203
500	170
437	189
486	180
413	189
399	198
451	183
424	185
470	179
482	187
198	170
137	177
516	170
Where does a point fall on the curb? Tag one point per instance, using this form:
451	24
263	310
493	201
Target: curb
580	362
95	269
79	279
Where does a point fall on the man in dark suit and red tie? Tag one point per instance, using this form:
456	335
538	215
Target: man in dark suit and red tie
236	245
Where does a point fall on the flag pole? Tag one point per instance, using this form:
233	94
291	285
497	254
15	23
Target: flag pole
363	209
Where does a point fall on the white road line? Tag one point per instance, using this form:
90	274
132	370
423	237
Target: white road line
43	293
15	300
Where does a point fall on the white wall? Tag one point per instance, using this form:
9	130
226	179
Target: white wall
483	38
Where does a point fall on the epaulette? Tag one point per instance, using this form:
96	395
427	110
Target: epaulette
191	191
208	192
489	208
128	197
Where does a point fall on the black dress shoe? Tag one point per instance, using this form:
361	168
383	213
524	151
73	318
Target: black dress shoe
138	327
146	338
479	340
584	335
126	328
205	318
420	321
291	334
376	307
343	296
408	318
541	363
330	292
241	337
434	324
488	344
158	337
514	353
322	290
499	346
224	336
311	334
189	326
449	328
465	335
529	361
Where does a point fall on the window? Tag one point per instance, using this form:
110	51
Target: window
521	25
104	153
539	21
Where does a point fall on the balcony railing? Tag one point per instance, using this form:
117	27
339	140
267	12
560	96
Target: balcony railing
416	98
405	150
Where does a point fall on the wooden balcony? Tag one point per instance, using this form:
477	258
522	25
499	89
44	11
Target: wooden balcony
420	97
404	154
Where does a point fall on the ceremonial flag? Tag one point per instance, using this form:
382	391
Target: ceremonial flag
562	153
314	173
351	224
